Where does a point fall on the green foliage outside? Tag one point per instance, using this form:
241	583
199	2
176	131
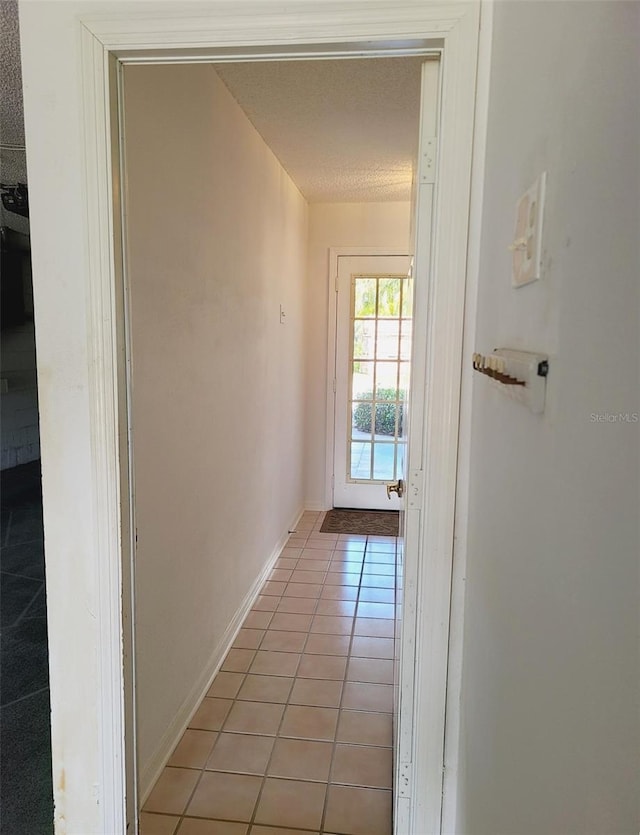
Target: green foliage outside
385	413
388	297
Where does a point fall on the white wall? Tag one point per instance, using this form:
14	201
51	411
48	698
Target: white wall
336	225
549	736
217	241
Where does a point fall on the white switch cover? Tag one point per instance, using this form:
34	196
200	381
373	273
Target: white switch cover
527	245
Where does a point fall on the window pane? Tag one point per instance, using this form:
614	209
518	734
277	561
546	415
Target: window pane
360	460
381	349
364	335
407	300
386	380
405	369
365	298
361	420
389	297
387	341
383	461
362	382
386	418
405	340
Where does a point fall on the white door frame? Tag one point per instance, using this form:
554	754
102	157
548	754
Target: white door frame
81	44
332	348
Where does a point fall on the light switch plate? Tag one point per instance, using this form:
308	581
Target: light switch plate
526	248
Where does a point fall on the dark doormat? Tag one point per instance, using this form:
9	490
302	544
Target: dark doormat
363	522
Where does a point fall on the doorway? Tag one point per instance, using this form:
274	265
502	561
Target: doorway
186	318
372	375
184	312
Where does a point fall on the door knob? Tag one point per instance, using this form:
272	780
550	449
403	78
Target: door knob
398	488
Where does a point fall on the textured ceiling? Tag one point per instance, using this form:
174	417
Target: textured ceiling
345	130
13	164
11	118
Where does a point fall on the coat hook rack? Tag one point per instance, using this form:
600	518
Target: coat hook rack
494	367
522	375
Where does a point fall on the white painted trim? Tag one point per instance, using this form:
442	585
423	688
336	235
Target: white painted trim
414	507
443	373
332	347
179	35
452	777
125	421
315	507
180	723
107	387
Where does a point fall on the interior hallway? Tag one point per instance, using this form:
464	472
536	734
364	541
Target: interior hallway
295	733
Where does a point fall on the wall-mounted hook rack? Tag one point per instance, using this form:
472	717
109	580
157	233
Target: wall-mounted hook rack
520	374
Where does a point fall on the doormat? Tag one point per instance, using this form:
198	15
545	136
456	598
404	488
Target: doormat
362	522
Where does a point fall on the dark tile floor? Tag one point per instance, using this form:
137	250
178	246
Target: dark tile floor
26	802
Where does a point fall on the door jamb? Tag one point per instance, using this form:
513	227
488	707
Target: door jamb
453	780
135	38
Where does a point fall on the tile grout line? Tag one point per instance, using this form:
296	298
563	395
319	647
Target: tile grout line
219	732
280	724
183	814
190	798
344	682
295	678
327	556
22	698
6	533
22	576
22	614
7	545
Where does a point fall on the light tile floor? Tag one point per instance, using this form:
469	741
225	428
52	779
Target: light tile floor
295	733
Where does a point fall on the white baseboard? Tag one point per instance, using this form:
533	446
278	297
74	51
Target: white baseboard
315	506
149	775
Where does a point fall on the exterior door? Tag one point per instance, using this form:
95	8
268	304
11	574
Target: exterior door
373	350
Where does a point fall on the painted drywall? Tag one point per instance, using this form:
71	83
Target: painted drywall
217	242
549	715
376	225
